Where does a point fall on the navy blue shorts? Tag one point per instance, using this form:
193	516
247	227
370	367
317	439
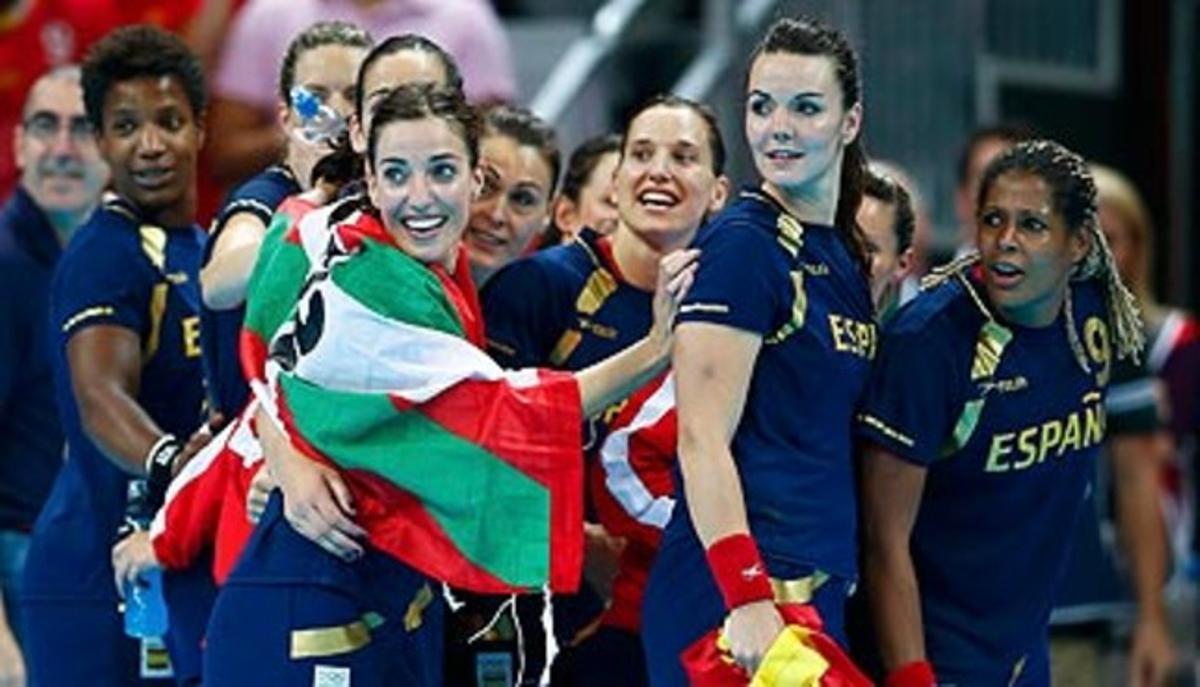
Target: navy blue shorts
682	604
611	656
292	614
80	643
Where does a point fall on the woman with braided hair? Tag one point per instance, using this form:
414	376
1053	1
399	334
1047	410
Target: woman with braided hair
982	421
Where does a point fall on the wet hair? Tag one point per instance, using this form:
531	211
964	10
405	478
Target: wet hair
891	192
1118	192
402	43
418	101
318	35
1007	132
527	129
135	52
810	37
1074	197
716	143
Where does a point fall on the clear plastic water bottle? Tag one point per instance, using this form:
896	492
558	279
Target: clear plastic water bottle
145	607
318	121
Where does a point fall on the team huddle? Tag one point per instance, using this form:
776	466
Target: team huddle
689	436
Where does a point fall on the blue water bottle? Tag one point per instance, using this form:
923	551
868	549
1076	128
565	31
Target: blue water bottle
318	121
145	608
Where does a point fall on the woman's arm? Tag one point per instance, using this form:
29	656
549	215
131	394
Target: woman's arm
619	375
713	365
316	501
891	496
224	279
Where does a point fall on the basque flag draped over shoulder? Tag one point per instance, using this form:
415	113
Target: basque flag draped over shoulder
468	473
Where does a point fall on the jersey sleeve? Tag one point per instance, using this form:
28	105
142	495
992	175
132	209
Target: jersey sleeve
911	404
101	284
1135	400
741	281
522	315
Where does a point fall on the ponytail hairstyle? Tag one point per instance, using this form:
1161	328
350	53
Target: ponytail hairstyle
403	43
806	36
1074	196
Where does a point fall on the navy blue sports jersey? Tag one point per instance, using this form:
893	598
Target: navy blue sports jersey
1008	420
1094	586
116	271
798	287
564	308
219	329
30	434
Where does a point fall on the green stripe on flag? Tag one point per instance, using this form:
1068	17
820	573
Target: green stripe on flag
278	274
375	274
497	517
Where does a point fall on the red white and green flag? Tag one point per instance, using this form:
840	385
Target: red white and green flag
469	473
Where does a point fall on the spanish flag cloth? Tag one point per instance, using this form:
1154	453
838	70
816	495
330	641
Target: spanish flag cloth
801	656
470	474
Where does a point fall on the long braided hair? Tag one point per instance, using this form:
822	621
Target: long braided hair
1074	197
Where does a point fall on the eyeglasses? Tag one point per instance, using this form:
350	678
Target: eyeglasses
45	126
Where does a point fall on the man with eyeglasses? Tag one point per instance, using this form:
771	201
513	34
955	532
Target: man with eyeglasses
62	175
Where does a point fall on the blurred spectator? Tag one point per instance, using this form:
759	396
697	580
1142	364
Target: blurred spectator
61	177
982	146
244	88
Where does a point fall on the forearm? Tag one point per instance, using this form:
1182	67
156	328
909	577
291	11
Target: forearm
224	279
891	584
1139	521
713	488
619	375
119	426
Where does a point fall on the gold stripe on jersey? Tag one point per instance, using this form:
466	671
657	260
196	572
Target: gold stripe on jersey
598	288
989	347
886	429
158	308
87	314
416	609
154	245
565	347
799	310
790	234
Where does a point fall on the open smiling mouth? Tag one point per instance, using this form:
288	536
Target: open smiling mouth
423	226
658	199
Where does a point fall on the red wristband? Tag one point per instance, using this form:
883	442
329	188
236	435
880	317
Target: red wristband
739	571
915	674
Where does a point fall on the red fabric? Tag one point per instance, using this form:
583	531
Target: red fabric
397	523
915	674
707	665
481	413
650	452
207	509
738	570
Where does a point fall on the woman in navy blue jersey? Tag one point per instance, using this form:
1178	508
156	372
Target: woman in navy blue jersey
773	345
983	419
